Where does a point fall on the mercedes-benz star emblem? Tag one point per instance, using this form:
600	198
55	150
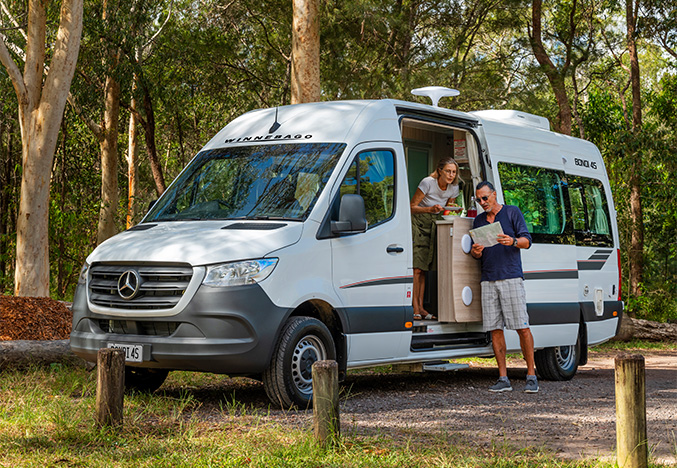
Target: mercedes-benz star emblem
128	284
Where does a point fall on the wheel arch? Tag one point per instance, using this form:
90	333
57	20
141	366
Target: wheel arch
333	320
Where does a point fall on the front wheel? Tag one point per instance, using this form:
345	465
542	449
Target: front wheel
559	362
288	379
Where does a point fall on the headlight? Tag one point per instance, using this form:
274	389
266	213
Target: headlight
238	273
82	279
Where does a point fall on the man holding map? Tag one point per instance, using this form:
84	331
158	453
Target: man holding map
498	234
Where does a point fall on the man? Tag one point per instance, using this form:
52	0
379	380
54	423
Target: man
503	297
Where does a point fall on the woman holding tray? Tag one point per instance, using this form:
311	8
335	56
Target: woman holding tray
433	193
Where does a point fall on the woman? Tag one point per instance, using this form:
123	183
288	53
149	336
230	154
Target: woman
434	192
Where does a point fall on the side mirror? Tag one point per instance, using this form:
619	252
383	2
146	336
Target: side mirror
352	216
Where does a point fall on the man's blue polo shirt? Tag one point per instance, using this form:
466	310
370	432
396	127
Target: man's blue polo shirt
500	261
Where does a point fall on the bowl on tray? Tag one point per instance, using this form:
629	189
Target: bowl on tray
451	212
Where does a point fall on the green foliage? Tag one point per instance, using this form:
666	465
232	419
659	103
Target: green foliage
201	64
607	126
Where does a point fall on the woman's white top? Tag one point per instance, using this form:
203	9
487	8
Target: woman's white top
434	195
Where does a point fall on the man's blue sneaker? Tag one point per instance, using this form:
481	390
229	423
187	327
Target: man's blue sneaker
532	384
503	385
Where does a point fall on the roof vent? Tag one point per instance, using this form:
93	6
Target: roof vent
435	93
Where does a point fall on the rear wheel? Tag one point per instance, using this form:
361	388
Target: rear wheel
144	380
288	379
559	362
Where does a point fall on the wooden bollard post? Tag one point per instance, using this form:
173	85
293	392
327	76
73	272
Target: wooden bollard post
110	387
631	440
326	422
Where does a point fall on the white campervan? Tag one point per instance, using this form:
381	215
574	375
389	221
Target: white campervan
287	240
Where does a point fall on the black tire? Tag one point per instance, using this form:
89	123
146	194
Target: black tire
559	362
144	380
288	378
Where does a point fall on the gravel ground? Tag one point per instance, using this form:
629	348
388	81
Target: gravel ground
573	420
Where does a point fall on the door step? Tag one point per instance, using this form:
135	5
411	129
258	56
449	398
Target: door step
443	366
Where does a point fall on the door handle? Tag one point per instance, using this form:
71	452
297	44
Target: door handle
394	249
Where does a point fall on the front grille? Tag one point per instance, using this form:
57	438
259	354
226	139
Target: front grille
129	327
160	287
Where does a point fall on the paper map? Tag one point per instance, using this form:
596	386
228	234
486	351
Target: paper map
486	235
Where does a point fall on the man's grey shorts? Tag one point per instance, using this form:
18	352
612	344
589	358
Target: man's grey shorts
504	305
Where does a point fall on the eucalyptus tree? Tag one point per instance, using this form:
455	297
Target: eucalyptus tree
305	54
564	36
41	104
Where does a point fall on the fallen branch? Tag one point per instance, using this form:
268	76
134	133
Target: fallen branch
23	353
654	331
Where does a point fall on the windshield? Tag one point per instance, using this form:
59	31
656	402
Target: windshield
250	182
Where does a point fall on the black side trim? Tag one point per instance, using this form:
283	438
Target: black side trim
561	274
585	265
255	226
381	282
589	315
554	313
376	319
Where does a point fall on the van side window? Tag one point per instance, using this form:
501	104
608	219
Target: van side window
539	194
592	223
372	175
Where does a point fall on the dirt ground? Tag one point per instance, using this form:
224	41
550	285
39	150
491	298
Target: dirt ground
572	420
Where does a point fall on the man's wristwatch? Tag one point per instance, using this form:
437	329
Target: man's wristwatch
514	242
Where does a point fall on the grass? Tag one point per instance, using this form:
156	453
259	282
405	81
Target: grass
633	345
46	420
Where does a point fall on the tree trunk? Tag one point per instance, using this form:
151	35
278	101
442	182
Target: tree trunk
654	331
132	167
32	244
40	112
555	76
5	157
637	240
149	128
24	353
109	161
305	67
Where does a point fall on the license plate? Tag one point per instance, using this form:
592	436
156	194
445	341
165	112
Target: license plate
133	353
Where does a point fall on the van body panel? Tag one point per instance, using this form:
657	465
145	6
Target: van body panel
545	336
601	331
374	346
303	272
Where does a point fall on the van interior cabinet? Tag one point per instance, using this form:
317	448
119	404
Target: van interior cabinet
458	273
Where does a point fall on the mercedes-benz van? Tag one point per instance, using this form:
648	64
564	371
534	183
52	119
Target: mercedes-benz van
287	239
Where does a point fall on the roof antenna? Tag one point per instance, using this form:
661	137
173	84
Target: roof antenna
275	125
435	93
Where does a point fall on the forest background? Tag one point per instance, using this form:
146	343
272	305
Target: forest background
155	80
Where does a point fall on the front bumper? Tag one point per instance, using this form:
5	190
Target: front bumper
222	330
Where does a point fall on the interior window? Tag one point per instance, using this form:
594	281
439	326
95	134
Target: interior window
372	175
590	211
539	194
